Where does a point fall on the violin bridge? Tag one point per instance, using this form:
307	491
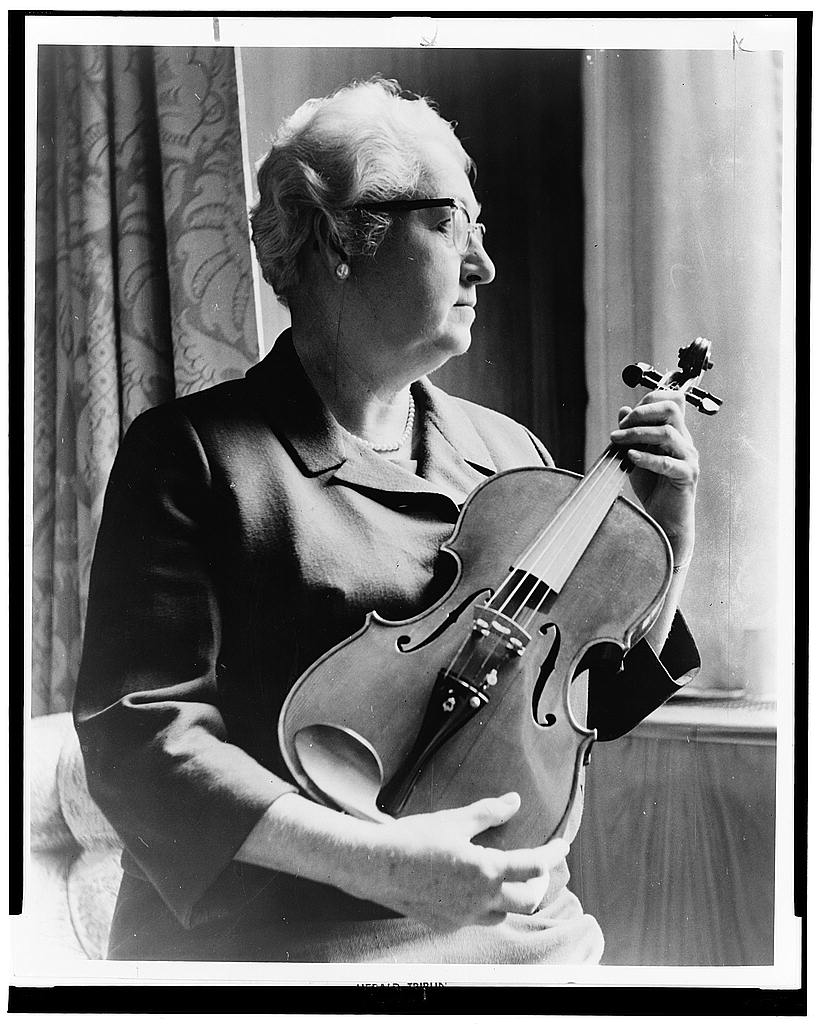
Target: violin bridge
487	622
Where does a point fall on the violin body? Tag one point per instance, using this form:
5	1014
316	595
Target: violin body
353	719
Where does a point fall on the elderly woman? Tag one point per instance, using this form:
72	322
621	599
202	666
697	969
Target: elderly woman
250	527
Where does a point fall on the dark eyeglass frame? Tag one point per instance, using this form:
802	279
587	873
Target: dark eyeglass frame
389	205
407	204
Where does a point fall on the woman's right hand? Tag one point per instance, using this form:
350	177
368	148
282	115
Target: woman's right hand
424	866
427	868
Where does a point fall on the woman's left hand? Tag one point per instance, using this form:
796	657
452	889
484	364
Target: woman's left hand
666	464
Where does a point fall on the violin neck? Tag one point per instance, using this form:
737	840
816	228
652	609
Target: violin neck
558	549
561	544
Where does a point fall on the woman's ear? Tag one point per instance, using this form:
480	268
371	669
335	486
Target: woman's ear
327	244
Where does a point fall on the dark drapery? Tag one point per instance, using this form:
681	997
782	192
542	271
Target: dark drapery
143	290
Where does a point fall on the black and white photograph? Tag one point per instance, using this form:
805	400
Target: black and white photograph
410	465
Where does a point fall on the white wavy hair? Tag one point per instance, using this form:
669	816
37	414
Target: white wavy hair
366	142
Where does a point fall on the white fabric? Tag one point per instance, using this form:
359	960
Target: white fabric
48	827
44	933
559	934
89	826
73	873
93	884
682	172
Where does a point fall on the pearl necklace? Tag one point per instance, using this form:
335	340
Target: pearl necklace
388	449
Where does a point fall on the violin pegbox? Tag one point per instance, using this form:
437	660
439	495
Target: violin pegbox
694	360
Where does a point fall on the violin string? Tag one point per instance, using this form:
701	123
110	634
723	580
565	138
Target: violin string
617	462
453	666
568	552
665	381
608	467
602	495
597	482
598	479
562	516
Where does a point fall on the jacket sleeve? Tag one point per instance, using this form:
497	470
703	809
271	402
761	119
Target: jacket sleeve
159	763
620	700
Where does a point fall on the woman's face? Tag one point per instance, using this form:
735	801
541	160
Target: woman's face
418	293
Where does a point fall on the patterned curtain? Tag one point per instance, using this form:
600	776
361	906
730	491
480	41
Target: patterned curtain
143	290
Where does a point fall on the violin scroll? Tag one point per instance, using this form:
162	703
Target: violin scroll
694	360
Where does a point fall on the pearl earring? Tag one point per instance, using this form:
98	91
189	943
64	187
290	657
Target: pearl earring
342	271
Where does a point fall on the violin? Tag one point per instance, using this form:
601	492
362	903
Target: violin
477	693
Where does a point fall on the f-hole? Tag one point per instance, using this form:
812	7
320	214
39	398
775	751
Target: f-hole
551	632
403	641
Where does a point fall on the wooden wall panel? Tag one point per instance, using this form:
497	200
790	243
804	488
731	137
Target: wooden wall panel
675	857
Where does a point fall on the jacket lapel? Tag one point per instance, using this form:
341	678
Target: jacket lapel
453	459
453	455
294	409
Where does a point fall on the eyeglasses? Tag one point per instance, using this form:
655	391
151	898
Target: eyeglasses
462	227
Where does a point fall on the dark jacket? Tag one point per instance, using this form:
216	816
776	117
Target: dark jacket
243	535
